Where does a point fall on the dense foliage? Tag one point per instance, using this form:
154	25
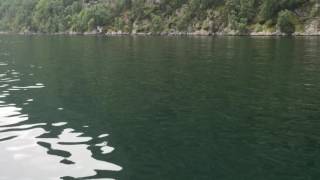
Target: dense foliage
286	22
51	16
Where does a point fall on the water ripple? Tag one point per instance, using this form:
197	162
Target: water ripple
35	150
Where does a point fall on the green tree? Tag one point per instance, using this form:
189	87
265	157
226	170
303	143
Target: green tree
286	22
48	15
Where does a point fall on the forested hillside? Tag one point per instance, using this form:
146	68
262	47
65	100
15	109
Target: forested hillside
160	16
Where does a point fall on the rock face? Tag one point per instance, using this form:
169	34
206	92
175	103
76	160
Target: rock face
313	28
266	33
116	33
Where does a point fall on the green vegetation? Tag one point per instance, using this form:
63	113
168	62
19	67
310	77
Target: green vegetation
287	22
242	16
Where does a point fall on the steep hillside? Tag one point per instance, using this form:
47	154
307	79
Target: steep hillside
161	16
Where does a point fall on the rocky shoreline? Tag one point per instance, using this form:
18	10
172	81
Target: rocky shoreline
196	33
210	34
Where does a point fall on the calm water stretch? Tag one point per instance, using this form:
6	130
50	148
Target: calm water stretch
159	108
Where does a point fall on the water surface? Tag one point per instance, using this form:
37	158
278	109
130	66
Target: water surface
159	108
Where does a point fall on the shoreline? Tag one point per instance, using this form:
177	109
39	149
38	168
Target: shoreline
200	33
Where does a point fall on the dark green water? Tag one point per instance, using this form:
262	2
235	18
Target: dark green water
159	108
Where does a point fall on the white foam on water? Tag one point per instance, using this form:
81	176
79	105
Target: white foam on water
59	124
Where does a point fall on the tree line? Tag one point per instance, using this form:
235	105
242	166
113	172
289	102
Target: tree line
51	16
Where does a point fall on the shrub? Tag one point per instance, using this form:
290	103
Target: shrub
286	22
156	24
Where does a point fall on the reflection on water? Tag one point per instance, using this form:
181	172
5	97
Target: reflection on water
31	151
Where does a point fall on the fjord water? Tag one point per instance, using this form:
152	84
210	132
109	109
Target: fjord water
225	108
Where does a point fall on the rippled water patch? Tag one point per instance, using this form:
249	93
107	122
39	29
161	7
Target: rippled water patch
44	150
